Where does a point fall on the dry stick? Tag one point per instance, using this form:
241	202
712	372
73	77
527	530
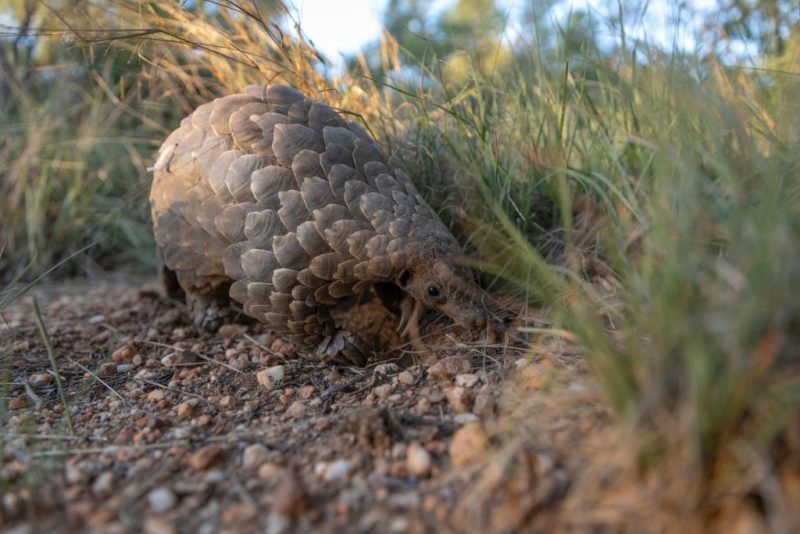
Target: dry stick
263	347
201	356
176	390
96	377
53	364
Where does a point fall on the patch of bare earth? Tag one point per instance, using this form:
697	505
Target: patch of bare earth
177	429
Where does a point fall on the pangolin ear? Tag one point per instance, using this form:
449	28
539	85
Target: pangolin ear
405	278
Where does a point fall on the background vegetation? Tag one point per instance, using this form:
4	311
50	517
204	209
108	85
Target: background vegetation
648	198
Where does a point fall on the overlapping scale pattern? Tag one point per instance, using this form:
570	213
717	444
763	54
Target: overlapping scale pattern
289	203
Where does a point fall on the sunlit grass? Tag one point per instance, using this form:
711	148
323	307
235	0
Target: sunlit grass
74	171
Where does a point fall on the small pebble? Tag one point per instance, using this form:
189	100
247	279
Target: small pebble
18	403
423	406
484	404
107	369
203	420
282	347
335	470
271	376
157	525
460	398
306	392
382	391
464	418
404	500
207	457
215	476
469	444
185	410
254	455
538	375
145	374
290	498
467	380
103	483
40	379
449	367
175	359
124	354
398	451
182	432
386	369
278	523
12	505
270	471
398	525
161	500
156	395
418	460
406	378
296	410
232	330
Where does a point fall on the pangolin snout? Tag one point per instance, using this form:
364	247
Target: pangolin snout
474	320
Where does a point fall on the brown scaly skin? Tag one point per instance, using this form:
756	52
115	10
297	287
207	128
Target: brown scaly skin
292	210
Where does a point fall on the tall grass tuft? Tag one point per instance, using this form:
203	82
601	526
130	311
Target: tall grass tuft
654	207
74	167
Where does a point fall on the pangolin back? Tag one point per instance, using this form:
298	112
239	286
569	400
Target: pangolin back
293	206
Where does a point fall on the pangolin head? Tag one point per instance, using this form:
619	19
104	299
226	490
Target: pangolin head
445	284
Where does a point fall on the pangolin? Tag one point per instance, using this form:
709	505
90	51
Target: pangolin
281	203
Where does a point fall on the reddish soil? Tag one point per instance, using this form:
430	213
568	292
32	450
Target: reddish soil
175	430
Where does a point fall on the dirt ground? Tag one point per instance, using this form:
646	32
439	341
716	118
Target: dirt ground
176	429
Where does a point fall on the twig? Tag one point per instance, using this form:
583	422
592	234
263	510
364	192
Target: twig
96	377
261	346
201	356
57	437
53	364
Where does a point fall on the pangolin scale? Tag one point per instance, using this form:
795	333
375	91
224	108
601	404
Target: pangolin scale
291	209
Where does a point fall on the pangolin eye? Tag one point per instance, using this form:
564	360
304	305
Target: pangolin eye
433	292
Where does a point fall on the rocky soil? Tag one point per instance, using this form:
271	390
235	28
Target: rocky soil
175	429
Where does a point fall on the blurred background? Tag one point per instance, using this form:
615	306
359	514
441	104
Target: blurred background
80	119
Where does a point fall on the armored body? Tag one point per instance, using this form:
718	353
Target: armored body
290	209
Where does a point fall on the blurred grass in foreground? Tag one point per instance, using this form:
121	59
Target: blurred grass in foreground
650	201
678	190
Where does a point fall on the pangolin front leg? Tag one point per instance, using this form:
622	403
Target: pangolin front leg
344	347
412	330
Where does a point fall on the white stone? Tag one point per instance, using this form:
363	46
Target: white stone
467	380
335	470
418	460
254	455
464	418
161	500
103	483
271	376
